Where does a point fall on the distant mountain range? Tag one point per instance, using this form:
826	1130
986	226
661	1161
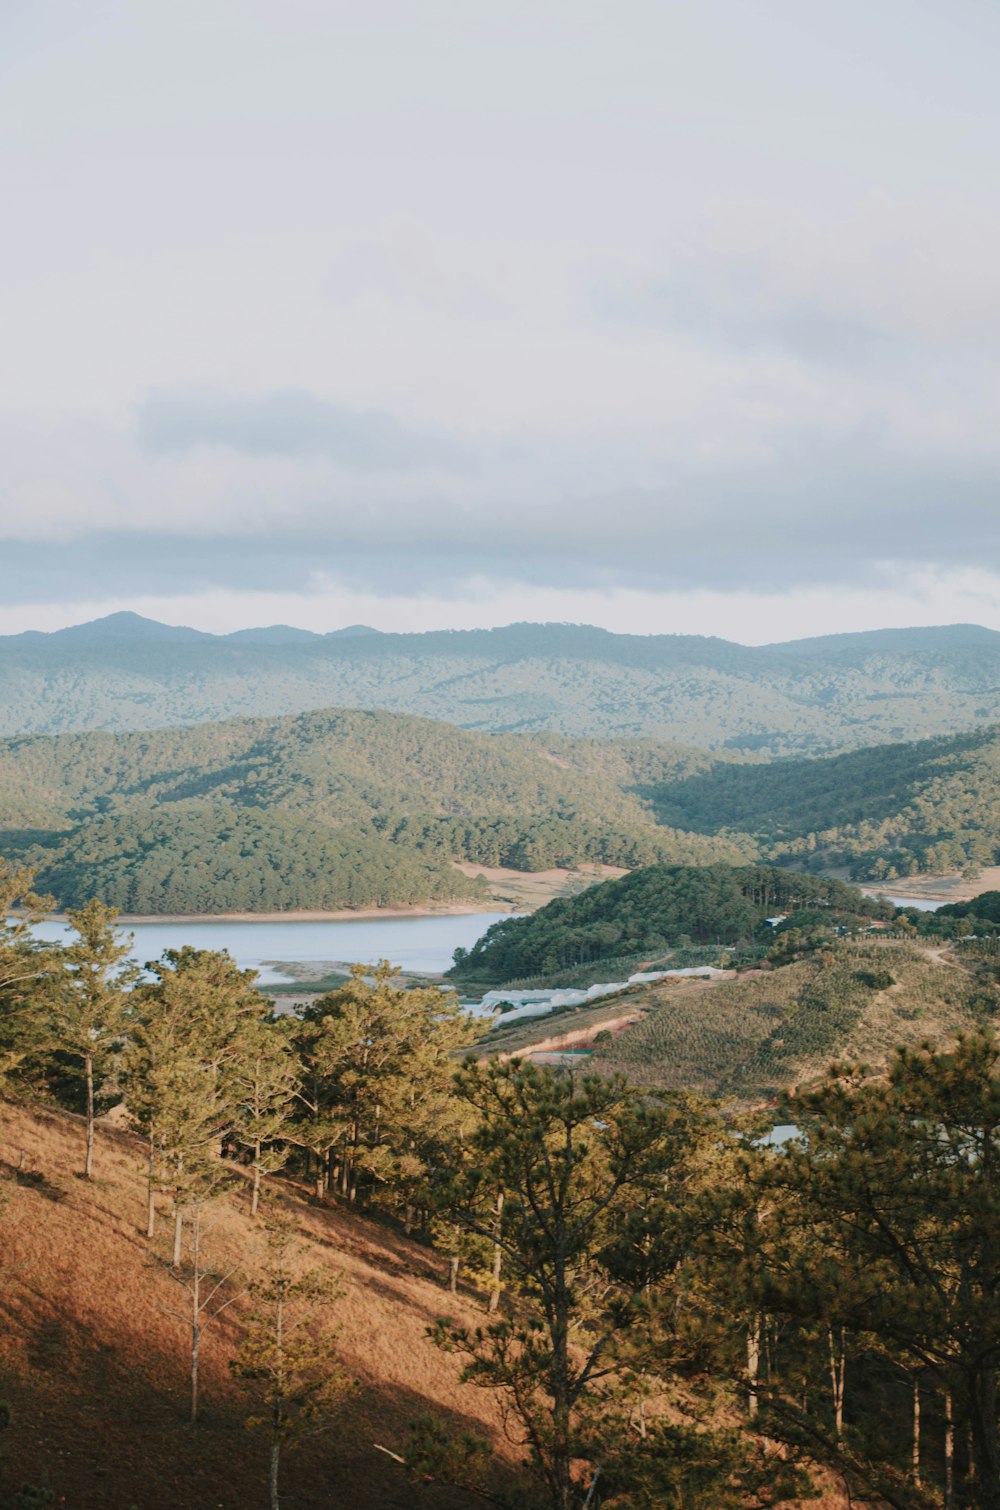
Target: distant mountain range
133	627
815	696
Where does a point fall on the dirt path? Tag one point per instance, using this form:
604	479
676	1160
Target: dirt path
940	956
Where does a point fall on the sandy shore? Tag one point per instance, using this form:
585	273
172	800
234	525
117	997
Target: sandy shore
345	915
951	887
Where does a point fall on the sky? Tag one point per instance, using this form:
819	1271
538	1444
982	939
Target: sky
659	316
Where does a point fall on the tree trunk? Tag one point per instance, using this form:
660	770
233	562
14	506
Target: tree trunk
453	1264
838	1364
195	1313
753	1366
195	1348
562	1461
949	1452
178	1236
352	1190
275	1455
88	1168
255	1197
497	1254
560	1466
916	1430
150	1191
984	1458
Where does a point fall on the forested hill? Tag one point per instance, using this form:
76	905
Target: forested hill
653	909
884	813
805	697
326	810
347	808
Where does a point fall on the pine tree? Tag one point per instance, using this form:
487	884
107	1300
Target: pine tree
377	1066
288	1356
263	1081
27	970
189	1025
890	1210
583	1165
88	1012
207	1293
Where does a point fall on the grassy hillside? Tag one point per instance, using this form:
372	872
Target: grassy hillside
327	810
752	1036
884	812
805	697
94	1367
650	910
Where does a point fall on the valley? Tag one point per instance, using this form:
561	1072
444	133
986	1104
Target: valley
634	951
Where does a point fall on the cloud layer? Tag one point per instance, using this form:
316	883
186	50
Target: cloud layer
701	299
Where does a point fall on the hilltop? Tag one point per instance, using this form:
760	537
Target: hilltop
884	812
803	697
658	907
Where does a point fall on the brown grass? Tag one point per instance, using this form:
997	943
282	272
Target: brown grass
96	1370
96	1373
526	890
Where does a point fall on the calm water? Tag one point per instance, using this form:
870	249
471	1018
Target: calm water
921	903
424	944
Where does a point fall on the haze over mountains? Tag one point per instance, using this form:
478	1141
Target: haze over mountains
811	696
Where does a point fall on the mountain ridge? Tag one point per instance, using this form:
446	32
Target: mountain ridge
809	697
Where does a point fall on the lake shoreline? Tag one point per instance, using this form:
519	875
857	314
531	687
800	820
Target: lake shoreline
343	915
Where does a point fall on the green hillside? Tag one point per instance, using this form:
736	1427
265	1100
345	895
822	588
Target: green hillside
244	809
884	812
325	810
651	910
805	697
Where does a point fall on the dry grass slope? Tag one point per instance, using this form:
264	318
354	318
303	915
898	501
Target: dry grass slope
96	1373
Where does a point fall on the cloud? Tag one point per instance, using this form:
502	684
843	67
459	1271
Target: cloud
290	423
739	311
815	510
769	489
829	291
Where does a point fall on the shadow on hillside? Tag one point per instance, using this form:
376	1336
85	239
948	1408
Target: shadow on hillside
31	1179
106	1426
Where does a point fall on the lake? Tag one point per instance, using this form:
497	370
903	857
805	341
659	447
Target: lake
419	943
920	903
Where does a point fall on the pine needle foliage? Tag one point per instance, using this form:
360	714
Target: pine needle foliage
288	1358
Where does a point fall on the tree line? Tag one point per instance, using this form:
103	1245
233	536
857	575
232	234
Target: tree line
676	1311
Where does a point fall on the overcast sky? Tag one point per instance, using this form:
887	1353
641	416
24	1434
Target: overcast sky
657	315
